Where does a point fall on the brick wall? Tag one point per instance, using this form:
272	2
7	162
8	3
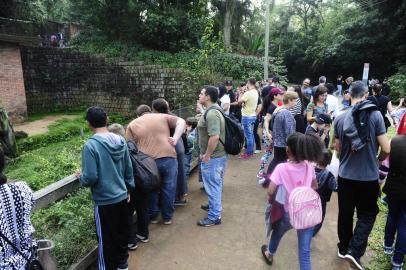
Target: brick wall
59	79
12	93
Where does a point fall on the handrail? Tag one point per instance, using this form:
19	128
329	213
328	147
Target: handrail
56	191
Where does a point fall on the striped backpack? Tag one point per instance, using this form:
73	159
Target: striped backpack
304	207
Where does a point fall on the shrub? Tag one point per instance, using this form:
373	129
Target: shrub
197	63
397	83
242	67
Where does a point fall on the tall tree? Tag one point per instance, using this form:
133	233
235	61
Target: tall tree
230	16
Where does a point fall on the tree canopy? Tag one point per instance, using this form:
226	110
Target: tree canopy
313	37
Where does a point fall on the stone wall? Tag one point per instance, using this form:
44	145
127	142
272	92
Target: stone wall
12	94
60	79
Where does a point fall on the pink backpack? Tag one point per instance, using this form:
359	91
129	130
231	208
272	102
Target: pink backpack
304	207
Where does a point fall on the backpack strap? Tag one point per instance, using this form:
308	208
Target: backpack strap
213	108
132	146
222	113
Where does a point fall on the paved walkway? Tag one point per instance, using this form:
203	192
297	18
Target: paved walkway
235	244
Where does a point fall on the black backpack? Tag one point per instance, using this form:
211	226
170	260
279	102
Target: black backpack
146	174
234	139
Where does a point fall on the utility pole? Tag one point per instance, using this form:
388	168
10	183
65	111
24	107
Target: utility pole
266	58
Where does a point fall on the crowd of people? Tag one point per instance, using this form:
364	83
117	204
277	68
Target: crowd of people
298	147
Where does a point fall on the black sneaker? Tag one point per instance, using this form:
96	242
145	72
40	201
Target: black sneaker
132	246
354	261
396	266
142	238
180	203
123	267
387	250
340	254
206	222
205	207
153	220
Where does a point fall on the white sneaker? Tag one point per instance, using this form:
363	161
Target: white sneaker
257	151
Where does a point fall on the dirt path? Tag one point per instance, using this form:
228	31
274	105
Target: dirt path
40	126
235	244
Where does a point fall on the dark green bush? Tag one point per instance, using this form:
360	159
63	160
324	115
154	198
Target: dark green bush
397	83
242	67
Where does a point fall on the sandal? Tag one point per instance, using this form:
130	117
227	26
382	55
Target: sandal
268	260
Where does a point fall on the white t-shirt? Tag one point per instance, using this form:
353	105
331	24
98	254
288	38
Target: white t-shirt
332	105
225	100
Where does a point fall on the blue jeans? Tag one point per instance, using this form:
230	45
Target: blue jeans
396	223
248	124
168	169
304	240
213	176
186	166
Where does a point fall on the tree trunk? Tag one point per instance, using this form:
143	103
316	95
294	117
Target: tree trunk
7	140
228	18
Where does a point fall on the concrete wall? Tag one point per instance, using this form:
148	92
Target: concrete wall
59	79
12	93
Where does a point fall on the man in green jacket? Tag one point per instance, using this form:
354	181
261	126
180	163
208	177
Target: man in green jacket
107	170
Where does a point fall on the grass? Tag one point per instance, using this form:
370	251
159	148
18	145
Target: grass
48	164
39	116
379	259
48	158
70	224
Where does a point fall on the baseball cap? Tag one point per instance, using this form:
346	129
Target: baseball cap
276	91
228	82
275	79
323	119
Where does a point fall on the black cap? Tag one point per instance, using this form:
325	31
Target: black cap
228	83
323	119
275	79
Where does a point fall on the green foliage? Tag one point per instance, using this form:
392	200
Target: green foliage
256	44
97	43
241	67
48	164
210	64
397	83
166	25
61	130
70	224
337	37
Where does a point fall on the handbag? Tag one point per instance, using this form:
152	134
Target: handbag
32	263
